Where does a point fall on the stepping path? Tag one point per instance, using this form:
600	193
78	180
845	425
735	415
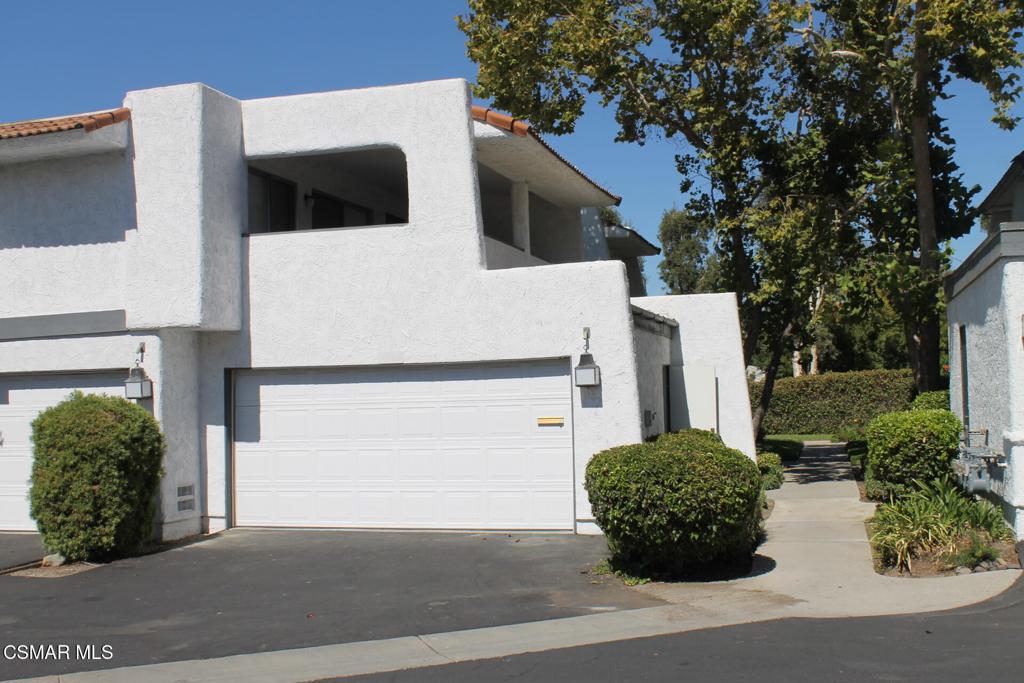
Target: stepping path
816	562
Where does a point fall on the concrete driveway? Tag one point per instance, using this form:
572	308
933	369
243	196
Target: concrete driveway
250	591
18	548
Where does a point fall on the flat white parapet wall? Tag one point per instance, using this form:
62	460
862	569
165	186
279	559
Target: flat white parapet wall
708	338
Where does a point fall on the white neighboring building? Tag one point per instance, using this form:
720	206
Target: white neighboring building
985	310
359	308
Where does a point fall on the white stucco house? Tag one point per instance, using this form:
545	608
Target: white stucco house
359	309
985	309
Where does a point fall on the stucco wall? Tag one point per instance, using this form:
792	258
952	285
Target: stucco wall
991	307
416	293
709	334
419	293
62	234
190	183
653	353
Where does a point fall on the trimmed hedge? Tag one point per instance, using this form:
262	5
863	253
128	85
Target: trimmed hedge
931	400
95	474
828	403
770	465
909	446
679	503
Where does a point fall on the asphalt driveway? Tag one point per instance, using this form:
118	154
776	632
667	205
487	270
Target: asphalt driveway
19	548
251	591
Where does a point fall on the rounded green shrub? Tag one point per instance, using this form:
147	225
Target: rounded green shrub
908	446
931	400
95	475
770	465
681	502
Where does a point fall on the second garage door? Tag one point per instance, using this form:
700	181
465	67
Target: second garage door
22	397
440	447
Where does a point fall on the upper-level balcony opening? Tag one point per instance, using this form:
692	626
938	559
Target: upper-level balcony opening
530	197
521	228
354	189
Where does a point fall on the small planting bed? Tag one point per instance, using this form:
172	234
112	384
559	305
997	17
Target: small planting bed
936	529
932	563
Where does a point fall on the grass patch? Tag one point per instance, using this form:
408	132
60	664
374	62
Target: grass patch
605	568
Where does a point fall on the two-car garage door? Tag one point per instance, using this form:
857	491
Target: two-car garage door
22	397
439	447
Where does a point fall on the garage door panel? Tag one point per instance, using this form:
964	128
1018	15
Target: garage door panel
460	421
417	465
16	465
295	465
374	424
331	424
429	447
418	422
463	465
335	466
547	465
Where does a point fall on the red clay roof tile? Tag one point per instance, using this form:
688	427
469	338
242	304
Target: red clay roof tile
86	122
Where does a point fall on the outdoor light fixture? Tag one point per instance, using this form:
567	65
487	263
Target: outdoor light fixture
586	373
138	386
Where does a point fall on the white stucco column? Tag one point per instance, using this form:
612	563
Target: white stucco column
521	216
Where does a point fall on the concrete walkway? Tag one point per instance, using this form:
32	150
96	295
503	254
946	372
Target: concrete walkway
822	561
816	563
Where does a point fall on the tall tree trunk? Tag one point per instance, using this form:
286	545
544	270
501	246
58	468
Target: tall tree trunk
769	379
751	315
814	360
928	329
798	368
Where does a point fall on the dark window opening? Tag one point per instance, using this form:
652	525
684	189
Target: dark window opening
271	202
331	212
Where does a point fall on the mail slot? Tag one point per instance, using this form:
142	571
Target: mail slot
550	421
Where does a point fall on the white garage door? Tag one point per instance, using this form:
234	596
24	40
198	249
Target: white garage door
440	447
22	397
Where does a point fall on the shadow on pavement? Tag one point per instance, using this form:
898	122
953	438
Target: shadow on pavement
820	464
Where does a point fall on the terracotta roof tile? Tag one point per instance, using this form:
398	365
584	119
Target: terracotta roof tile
522	129
86	122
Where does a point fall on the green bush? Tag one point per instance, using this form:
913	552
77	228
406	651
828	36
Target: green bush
908	446
96	471
828	403
676	504
931	400
770	465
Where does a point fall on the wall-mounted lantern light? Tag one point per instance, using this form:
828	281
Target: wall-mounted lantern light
586	372
138	386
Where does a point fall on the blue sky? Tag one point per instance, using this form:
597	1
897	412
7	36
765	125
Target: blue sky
67	59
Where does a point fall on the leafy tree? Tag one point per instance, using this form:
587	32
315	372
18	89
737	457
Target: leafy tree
806	121
689	264
717	75
904	55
